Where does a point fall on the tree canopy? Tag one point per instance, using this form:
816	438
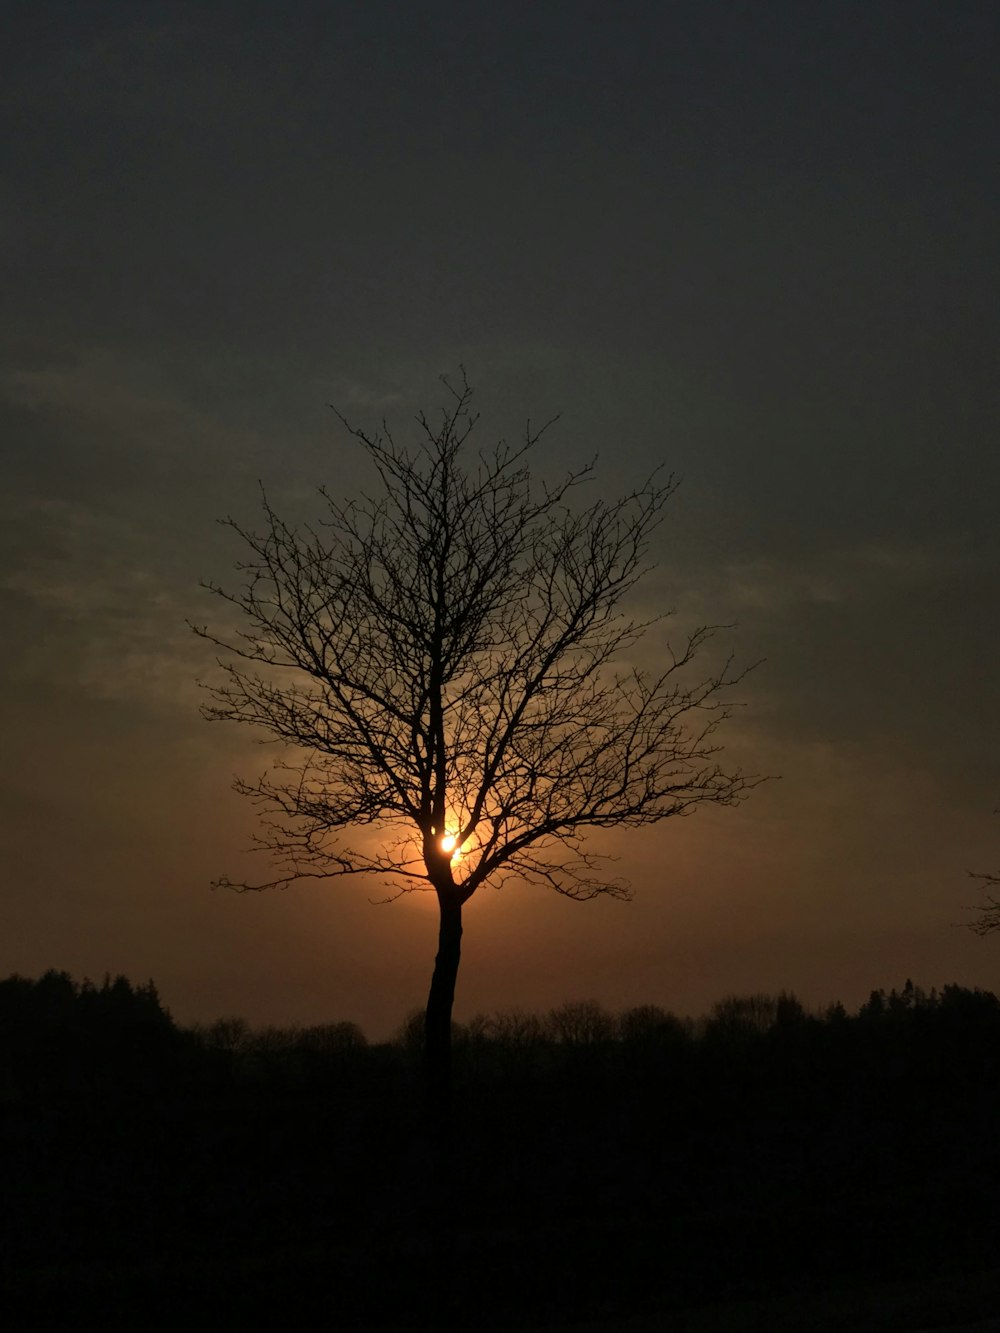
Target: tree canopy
440	657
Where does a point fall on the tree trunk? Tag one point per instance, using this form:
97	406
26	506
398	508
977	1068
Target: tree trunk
437	1021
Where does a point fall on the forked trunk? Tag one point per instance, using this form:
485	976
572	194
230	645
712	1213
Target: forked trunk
437	1022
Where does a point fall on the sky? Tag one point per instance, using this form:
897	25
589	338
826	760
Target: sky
756	244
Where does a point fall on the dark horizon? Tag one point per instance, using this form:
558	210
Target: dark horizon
751	1011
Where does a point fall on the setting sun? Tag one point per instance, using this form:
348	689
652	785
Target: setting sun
448	842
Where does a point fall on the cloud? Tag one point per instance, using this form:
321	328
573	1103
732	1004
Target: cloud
91	611
865	572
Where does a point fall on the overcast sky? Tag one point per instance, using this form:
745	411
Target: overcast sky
756	243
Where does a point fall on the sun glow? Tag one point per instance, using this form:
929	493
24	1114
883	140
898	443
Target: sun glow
448	844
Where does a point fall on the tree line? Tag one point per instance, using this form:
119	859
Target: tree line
54	1021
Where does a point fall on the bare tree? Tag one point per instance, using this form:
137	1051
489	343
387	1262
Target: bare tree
438	658
988	912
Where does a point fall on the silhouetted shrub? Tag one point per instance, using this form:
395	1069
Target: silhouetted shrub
738	1017
581	1023
648	1025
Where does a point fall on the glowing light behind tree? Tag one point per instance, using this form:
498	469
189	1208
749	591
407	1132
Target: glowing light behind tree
442	661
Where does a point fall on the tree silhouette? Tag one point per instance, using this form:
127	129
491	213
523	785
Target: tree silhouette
438	658
988	912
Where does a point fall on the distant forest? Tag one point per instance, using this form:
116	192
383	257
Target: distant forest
57	1030
606	1166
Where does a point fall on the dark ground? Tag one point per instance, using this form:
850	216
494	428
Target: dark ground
778	1174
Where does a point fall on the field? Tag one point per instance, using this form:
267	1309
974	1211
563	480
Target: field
764	1169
